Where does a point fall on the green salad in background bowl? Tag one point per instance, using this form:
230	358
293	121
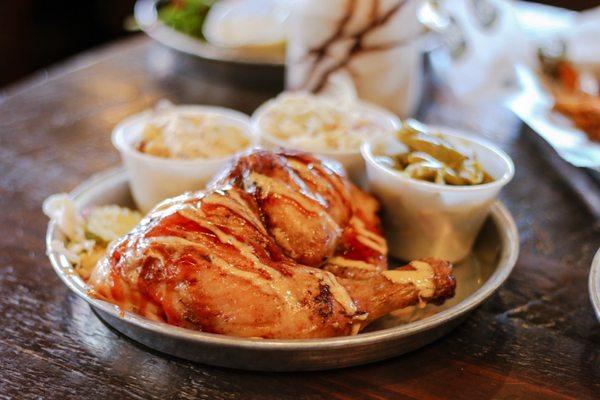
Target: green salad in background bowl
259	25
186	16
238	42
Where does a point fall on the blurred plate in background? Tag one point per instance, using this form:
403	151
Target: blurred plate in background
534	106
238	66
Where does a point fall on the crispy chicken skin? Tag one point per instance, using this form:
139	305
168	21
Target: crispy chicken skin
281	245
304	203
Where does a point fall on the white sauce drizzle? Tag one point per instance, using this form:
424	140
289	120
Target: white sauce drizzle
300	166
170	206
219	262
294	174
245	250
277	283
235	203
421	278
368	238
340	294
345	262
269	185
303	168
322	167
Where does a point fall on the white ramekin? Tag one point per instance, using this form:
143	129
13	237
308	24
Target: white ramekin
423	219
351	160
153	179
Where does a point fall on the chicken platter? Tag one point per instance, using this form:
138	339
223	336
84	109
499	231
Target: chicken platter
280	245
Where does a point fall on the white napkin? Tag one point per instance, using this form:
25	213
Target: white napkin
483	43
373	45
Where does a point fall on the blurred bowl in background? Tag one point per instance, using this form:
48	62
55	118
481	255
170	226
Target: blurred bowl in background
252	68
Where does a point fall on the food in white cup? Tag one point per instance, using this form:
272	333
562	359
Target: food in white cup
331	127
427	216
174	149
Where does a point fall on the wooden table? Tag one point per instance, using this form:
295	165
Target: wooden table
536	338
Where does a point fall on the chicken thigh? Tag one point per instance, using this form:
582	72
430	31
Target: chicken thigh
281	245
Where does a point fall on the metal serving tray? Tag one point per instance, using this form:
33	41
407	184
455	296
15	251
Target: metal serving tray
594	284
478	277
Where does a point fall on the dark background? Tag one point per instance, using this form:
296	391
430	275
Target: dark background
37	33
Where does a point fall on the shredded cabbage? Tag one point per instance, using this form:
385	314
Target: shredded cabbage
318	123
86	238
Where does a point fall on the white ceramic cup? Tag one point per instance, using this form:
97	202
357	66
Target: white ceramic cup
351	160
153	179
423	219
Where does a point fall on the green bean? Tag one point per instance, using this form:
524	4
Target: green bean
431	158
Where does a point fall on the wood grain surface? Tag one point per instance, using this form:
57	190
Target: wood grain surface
536	338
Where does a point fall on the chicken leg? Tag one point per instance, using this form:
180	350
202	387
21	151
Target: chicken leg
228	260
